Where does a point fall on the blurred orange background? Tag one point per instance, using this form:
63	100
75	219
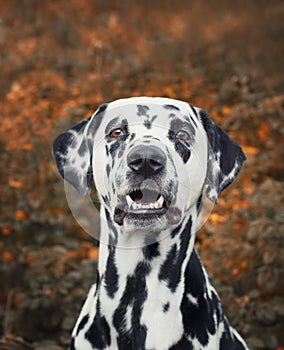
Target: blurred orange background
59	60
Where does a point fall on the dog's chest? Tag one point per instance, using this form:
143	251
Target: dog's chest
142	305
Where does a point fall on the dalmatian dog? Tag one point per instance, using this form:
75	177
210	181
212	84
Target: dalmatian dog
152	161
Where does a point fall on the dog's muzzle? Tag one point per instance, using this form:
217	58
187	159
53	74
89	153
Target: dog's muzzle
146	200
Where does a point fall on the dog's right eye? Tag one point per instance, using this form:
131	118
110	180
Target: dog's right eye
115	133
183	135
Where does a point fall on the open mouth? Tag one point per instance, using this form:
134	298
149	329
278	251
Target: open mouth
141	204
145	201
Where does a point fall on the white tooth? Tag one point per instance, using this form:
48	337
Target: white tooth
152	205
161	201
134	205
129	200
156	205
138	205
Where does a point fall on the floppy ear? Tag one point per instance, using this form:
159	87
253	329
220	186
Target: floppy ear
73	152
73	157
225	158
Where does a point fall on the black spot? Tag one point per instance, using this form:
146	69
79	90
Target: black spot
166	307
166	270
105	199
182	148
151	251
83	148
134	295
170	270
101	108
98	117
147	123
142	110
199	204
107	170
176	230
72	344
198	319
111	274
99	332
228	340
114	147
82	323
79	127
193	121
132	136
231	154
113	231
153	118
107	151
171	107
216	307
193	110
111	124
98	282
195	278
182	344
120	140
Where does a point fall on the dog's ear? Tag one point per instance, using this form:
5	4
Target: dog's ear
72	151
225	158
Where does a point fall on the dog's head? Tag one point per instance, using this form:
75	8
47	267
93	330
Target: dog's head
149	158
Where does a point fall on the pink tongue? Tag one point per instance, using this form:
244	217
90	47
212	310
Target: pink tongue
146	197
173	215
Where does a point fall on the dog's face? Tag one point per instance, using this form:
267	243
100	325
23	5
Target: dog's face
149	158
149	164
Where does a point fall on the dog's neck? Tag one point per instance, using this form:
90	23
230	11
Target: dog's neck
148	282
122	253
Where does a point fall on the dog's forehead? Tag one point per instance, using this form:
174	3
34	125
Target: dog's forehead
147	111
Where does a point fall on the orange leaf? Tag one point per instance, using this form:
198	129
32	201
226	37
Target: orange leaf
8	256
71	254
93	253
15	183
20	215
263	132
6	230
28	146
250	150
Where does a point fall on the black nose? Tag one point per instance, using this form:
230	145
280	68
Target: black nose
146	160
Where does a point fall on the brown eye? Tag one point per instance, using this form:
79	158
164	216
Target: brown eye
115	133
182	135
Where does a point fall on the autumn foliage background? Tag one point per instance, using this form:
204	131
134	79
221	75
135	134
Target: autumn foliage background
58	61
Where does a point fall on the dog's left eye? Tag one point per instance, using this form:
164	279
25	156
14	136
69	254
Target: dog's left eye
183	135
115	133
